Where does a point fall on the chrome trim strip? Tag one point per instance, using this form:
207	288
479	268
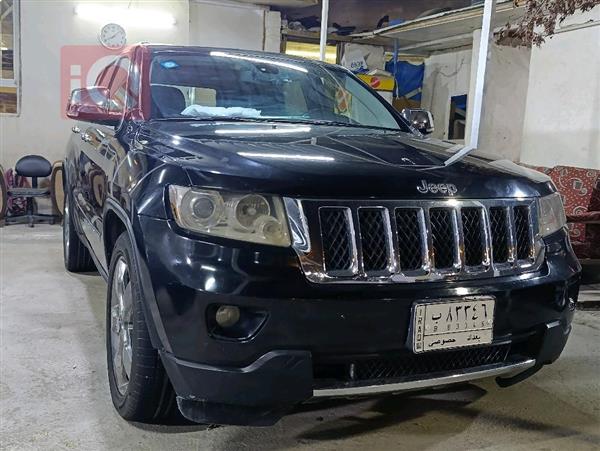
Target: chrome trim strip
426	246
391	256
298	224
351	222
512	239
465	376
305	224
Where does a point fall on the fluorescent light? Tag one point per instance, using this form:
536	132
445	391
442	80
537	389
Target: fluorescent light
283	156
133	17
262	131
260	60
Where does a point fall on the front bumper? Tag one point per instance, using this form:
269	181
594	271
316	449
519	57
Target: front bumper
307	334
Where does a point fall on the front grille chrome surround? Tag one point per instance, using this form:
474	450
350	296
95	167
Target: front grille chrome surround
424	240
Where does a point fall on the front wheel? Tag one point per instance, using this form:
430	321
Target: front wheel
139	386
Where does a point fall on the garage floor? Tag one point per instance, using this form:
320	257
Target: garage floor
54	391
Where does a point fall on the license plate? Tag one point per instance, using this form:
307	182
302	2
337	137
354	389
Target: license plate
447	324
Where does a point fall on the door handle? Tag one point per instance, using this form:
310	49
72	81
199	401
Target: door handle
75	129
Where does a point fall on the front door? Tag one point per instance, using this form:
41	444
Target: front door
98	159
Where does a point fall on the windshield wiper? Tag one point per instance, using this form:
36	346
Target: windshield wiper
327	122
275	120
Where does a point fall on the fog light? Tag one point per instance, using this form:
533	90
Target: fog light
227	315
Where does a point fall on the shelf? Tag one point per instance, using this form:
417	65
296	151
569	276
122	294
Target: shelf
442	31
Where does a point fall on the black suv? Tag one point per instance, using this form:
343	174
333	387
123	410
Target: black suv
273	231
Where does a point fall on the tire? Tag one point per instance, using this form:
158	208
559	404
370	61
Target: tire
57	192
3	196
144	393
76	256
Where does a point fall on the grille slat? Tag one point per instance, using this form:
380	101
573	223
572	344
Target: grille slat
499	231
442	234
474	243
374	239
337	239
408	242
522	235
409	239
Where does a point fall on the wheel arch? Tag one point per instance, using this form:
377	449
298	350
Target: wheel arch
113	226
115	222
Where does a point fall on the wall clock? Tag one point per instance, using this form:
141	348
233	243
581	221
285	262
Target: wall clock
113	36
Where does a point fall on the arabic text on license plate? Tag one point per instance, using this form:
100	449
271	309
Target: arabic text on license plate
452	324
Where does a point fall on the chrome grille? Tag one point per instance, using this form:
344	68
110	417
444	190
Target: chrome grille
415	241
374	239
473	233
499	229
337	239
522	232
409	238
442	236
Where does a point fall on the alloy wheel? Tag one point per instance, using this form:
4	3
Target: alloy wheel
121	324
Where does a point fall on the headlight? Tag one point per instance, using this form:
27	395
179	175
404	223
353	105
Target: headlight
551	214
246	217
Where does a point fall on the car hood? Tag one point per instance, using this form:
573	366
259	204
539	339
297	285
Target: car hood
317	161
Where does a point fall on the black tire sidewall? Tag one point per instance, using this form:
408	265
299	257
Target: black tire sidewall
140	401
122	249
77	257
70	253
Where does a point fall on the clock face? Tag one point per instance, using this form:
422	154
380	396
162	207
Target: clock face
113	36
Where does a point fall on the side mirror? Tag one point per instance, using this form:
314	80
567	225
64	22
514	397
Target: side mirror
92	105
420	119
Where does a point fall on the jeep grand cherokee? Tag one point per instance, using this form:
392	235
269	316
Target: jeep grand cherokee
273	231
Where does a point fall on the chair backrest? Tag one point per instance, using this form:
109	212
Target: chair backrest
33	166
576	185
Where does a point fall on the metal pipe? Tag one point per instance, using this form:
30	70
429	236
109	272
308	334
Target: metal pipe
324	22
472	140
396	87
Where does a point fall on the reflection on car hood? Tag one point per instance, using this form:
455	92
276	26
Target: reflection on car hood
324	161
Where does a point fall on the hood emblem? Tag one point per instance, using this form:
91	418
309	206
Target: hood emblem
434	188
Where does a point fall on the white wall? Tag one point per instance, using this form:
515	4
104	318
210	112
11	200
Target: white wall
449	74
446	75
504	99
47	26
562	123
233	25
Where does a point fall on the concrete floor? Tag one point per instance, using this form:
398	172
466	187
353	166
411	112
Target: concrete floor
54	390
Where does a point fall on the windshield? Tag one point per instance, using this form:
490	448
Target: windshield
226	85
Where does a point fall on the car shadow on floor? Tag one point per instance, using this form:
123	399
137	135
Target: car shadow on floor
525	412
